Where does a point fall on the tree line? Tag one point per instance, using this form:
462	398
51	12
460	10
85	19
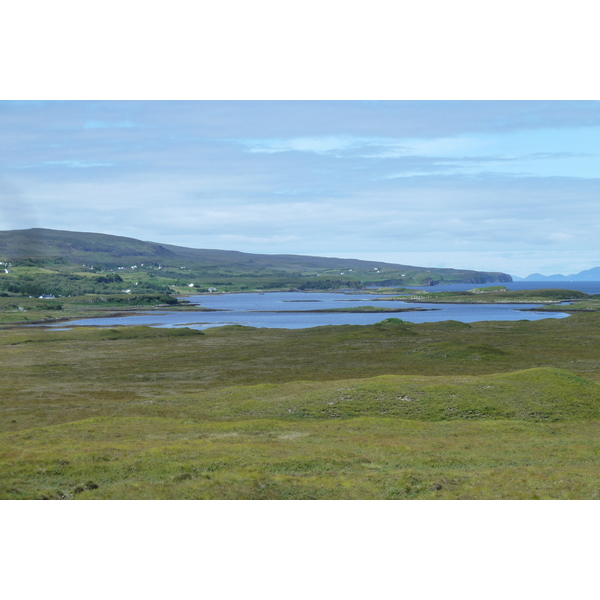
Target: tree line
61	284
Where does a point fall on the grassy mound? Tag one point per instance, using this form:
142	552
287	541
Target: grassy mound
525	434
542	394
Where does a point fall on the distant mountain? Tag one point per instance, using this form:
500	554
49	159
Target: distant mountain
111	252
592	274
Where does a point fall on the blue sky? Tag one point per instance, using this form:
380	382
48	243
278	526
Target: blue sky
509	186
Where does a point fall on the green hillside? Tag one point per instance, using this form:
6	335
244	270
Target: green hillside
229	270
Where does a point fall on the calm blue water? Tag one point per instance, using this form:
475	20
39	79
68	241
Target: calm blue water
246	309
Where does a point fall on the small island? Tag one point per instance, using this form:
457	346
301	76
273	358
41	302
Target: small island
491	295
360	309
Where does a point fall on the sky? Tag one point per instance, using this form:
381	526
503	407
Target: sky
511	186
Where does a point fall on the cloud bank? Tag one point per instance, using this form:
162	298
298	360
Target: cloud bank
331	178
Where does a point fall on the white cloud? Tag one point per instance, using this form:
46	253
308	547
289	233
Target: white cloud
318	145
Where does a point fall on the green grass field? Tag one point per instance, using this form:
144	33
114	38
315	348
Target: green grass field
393	410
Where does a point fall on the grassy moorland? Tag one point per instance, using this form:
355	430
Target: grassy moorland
393	410
494	295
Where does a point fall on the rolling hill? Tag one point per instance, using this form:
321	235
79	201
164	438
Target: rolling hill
109	252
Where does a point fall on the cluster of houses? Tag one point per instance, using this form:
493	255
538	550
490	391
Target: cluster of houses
210	289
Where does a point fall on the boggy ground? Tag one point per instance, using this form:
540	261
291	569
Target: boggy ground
393	410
